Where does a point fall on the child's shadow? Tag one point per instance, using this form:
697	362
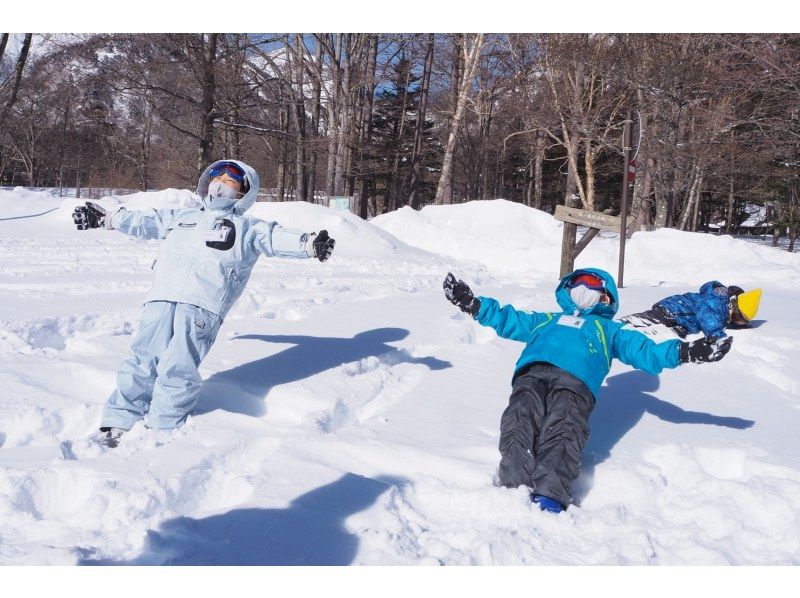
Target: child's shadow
310	531
622	403
242	389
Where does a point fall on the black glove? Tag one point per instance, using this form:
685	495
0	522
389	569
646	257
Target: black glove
323	246
460	295
705	349
91	215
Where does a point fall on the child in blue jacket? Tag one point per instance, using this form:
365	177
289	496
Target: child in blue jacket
711	310
567	356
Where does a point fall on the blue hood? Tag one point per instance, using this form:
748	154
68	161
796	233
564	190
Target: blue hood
245	202
602	310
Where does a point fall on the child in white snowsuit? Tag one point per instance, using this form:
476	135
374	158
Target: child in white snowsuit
567	356
203	265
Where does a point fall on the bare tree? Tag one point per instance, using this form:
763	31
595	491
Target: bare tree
471	53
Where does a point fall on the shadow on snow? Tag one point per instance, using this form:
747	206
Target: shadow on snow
623	402
310	531
242	389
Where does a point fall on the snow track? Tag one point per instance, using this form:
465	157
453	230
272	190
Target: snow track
350	414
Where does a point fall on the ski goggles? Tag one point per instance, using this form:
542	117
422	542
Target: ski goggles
232	170
736	318
590	281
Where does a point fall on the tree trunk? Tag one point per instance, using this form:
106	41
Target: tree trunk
642	217
299	118
3	42
280	194
395	183
697	201
571	139
21	59
444	190
145	143
731	205
333	112
344	116
62	149
366	129
315	113
589	163
689	205
537	172
205	153
416	157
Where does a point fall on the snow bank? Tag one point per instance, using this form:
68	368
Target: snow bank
504	236
694	258
512	239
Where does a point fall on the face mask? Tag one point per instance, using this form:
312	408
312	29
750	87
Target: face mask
221	196
584	297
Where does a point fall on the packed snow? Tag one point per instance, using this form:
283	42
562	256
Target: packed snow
350	414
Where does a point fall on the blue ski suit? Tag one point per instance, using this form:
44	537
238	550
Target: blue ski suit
196	283
556	379
706	311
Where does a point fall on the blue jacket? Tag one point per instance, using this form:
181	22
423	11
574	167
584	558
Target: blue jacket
706	311
188	270
581	342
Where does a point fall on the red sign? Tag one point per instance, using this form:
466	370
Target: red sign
632	171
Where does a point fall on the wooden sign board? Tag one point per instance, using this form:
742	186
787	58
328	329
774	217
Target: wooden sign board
588	218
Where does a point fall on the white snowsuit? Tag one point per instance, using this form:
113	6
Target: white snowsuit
195	286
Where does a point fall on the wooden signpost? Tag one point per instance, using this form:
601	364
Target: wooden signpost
573	217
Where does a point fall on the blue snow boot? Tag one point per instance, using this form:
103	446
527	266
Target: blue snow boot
548	504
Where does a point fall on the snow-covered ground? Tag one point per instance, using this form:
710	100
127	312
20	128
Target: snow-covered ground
350	413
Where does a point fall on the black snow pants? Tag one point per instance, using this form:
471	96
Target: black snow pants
543	431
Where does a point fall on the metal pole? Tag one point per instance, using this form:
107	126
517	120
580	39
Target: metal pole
626	152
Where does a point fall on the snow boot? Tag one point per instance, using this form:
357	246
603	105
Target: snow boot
111	438
547	504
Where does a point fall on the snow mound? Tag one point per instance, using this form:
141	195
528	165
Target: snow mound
695	258
512	239
354	236
502	235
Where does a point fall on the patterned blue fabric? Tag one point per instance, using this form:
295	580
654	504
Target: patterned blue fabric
706	311
582	342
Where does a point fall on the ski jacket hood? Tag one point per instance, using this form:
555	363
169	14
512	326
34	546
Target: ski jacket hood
603	310
242	204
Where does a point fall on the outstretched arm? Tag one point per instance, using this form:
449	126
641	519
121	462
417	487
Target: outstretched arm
638	350
506	321
509	322
711	320
149	224
271	239
144	224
